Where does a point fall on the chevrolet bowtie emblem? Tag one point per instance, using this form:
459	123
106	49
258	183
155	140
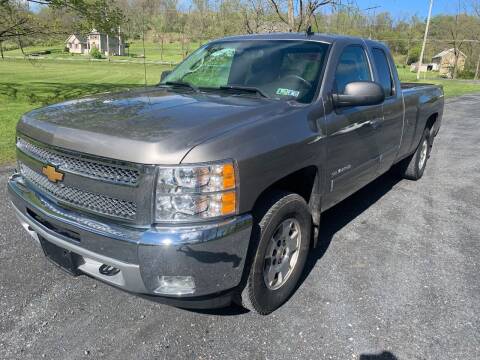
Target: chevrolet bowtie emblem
52	174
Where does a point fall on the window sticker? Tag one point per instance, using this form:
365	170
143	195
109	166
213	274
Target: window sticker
287	92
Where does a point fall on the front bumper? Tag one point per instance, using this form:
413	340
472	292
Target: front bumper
212	254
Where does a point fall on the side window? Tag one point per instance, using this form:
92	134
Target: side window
383	70
352	66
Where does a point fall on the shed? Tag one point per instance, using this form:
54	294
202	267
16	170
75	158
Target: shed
446	61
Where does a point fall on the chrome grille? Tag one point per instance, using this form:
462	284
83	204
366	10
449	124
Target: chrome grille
99	204
79	165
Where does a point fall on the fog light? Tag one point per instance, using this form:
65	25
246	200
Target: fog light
176	285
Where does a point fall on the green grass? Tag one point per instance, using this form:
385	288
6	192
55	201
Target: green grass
25	85
9	114
172	52
450	87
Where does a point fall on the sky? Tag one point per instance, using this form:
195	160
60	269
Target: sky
398	8
404	8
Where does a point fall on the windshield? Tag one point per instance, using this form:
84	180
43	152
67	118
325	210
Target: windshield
276	69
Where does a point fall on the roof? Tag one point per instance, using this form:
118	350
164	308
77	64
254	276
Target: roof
326	38
80	38
446	52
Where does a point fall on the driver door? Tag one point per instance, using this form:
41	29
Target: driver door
352	150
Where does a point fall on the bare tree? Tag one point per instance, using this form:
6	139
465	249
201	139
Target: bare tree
16	21
305	11
254	14
475	4
457	40
452	31
291	15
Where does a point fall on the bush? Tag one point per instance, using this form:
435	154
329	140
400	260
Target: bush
96	54
466	74
414	55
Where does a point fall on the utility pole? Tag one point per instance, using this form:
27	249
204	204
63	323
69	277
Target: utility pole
424	40
119	42
477	71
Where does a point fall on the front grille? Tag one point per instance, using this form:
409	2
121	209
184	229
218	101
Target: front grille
100	204
80	165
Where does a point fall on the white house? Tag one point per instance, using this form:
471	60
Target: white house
76	44
107	44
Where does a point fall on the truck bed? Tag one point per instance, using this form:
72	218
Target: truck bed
411	85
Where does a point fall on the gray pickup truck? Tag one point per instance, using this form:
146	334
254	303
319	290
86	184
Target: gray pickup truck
208	188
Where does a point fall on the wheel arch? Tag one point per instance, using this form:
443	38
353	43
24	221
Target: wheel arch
305	182
431	120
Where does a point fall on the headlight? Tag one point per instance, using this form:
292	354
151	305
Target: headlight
195	192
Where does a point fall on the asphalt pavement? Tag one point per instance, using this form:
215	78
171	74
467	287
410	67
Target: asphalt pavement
396	276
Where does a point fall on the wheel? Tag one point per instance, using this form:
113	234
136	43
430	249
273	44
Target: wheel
413	166
282	241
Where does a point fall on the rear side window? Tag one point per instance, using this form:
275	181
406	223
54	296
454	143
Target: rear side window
383	70
352	66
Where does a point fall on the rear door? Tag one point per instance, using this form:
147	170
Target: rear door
352	146
390	128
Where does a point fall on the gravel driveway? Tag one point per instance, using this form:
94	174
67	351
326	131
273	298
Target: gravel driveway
396	277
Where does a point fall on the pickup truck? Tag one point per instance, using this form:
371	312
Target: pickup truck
207	189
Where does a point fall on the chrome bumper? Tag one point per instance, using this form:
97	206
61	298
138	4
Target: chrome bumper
212	254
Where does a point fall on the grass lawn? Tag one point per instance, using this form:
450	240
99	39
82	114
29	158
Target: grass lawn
450	87
172	52
25	85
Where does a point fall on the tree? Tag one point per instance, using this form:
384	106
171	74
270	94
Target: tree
253	13
300	13
452	29
18	21
475	4
15	21
410	31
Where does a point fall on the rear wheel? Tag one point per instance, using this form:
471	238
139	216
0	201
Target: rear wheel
282	242
414	166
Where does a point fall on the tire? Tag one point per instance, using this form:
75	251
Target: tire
412	167
281	213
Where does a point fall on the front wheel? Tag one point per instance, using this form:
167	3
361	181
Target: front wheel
282	241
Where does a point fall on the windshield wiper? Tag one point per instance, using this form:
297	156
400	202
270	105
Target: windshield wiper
182	84
244	89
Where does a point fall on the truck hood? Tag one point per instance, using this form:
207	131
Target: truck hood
148	126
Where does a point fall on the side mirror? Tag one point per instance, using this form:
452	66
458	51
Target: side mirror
360	93
164	74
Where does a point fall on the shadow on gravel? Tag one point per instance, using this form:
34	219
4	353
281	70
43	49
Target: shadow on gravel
231	310
334	219
386	355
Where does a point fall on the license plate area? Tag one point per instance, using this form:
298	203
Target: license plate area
63	258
